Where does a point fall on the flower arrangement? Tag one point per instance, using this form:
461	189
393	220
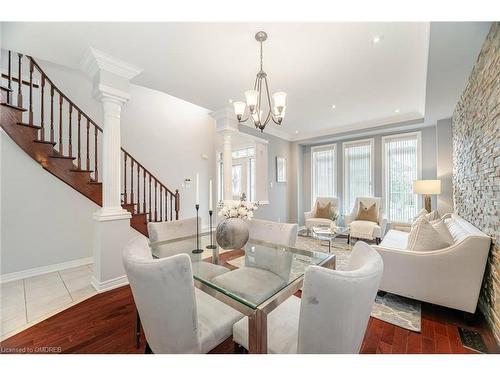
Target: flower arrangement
334	215
237	209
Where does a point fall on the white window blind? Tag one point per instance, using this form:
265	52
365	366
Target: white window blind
323	171
401	168
358	171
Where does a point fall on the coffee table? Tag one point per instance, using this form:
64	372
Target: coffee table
329	234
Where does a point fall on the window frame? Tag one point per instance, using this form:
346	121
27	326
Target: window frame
371	142
385	139
335	171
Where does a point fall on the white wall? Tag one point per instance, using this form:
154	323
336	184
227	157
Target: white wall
44	221
169	136
444	167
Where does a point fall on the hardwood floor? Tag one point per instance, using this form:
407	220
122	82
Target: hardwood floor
105	324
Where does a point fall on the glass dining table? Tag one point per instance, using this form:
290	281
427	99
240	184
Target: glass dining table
253	280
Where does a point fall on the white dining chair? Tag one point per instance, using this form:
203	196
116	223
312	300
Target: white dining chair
332	315
176	317
270	231
168	230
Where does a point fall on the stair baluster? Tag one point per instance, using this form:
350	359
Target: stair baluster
30	118
60	123
125	180
42	110
52	113
96	171
79	160
9	77
20	80
70	147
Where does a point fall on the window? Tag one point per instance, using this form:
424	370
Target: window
243	175
323	171
358	171
401	166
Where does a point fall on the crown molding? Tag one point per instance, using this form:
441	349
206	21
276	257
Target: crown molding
95	60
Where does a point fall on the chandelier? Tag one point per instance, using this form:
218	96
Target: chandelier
259	96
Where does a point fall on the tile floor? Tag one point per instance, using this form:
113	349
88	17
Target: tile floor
28	301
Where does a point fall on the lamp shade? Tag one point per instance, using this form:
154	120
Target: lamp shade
427	186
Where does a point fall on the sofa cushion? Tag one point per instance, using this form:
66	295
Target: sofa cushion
442	229
423	237
395	239
456	230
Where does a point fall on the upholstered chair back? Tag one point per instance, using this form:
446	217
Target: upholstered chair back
274	260
270	231
336	305
168	230
325	200
164	294
367	201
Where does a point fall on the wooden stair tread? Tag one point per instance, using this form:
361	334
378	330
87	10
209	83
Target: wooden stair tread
14	107
62	157
29	125
94	183
81	170
45	142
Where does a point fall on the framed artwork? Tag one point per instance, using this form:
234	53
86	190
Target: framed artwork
280	169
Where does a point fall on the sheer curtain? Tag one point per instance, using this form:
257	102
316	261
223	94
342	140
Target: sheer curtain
402	167
323	171
358	167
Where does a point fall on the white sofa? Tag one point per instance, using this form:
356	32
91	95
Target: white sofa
311	220
448	277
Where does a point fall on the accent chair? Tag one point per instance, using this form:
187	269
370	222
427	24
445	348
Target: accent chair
364	229
310	217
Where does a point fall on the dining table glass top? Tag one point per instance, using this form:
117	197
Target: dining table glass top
250	275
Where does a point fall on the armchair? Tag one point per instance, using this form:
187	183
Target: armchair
310	218
367	230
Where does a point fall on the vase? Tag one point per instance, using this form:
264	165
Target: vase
232	233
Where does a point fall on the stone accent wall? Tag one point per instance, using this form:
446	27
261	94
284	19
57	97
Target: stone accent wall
476	164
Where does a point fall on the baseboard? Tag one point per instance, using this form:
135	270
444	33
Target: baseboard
44	269
104	286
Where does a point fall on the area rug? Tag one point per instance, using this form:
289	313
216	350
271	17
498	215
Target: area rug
400	311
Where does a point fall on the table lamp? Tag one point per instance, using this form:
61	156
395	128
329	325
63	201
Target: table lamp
427	188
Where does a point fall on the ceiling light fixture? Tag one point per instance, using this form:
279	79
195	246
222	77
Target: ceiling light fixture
376	39
254	98
334	106
397	111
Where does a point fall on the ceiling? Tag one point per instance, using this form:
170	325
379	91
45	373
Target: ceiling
318	65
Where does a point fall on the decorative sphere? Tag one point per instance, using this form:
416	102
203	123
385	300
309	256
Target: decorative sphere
232	233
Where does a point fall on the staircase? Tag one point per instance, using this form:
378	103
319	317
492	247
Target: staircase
55	132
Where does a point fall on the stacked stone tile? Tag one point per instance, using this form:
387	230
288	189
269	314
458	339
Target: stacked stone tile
476	163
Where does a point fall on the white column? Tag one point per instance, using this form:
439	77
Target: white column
227	165
111	78
226	125
111	158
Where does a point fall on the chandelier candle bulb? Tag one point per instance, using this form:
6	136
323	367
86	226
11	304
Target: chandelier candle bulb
239	109
251	97
279	99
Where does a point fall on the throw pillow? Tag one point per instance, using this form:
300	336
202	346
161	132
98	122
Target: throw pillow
367	213
420	213
324	212
442	229
423	237
433	215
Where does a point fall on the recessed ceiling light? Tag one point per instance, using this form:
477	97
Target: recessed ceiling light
334	106
377	39
230	101
397	110
296	132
